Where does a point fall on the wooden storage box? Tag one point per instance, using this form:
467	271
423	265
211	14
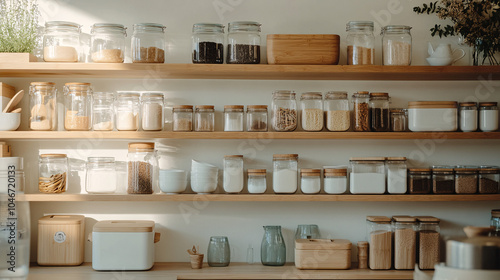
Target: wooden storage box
5	150
323	253
291	49
6	94
61	240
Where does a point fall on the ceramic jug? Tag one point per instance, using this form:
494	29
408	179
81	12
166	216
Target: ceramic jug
443	55
273	249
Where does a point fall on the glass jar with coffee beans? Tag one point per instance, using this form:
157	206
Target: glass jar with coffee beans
208	43
142	167
243	42
379	111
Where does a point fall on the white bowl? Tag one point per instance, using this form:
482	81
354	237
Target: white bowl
440	61
10	121
198	165
203	187
173	174
6	162
172	186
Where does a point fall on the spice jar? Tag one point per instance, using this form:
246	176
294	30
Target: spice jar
338	116
379	111
360	100
405	241
243	42
488	116
312	111
257	118
61	41
310	181
103	111
152	111
466	179
396	45
443	179
396	175
101	175
43	106
108	43
285	171
495	222
53	173
142	167
360	43
428	242
379	236
182	118
204	118
233	117
148	43
233	173
419	180
78	106
489	176
399	120
284	111
257	183
208	43
367	175
335	180
468	116
127	111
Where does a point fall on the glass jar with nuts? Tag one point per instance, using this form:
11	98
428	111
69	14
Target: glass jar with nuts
284	110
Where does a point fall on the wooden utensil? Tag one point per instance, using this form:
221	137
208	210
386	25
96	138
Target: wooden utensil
14	101
472	231
18	110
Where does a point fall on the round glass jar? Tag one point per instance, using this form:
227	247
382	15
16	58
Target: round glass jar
489	177
148	43
284	111
310	181
233	173
285	173
335	180
208	43
103	111
101	175
419	180
43	106
337	113
243	42
380	237
257	118
152	111
142	168
360	43
396	45
466	179
78	106
399	120
443	179
257	183
204	118
53	173
61	42
312	111
127	111
361	112
379	111
468	116
182	118
108	43
488	116
233	117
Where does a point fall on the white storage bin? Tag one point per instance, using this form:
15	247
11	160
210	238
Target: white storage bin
432	116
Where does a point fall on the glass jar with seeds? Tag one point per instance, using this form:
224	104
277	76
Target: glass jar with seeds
243	42
103	111
78	106
152	111
43	106
257	118
489	176
466	178
361	111
108	43
379	236
428	242
443	179
208	43
53	173
360	43
419	180
142	168
405	242
284	111
312	111
337	114
204	118
182	118
379	111
148	43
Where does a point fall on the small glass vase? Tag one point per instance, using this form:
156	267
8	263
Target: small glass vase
219	253
307	232
482	55
273	249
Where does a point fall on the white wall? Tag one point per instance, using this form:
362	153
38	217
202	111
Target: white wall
186	223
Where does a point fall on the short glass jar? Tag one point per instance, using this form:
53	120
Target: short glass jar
360	43
208	43
311	104
127	111
243	42
399	120
428	242
78	106
443	179
284	111
182	118
396	45
233	173
152	111
367	175
103	111
219	252
101	175
380	237
108	43
204	118
419	180
257	183
148	43
285	173
379	111
468	116
233	117
489	177
396	175
43	106
466	178
257	118
405	241
61	41
53	173
488	116
142	168
335	180
310	181
361	112
337	113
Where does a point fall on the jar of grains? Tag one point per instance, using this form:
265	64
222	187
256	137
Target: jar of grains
108	43
399	120
428	242
489	176
468	116
379	111
379	236
443	179
419	180
338	116
466	179
208	43
43	106
367	175
53	173
204	118
285	172
127	111
233	173
61	41
152	111
103	111
396	45
310	181
142	167
148	43
78	106
495	222
361	110
243	42
405	242
284	111
488	116
182	118
257	118
360	43
335	180
396	175
233	117
312	111
101	175
257	183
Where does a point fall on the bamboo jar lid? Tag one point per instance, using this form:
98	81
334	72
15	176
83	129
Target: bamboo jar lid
141	146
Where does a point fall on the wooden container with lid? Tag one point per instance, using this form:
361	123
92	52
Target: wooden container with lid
323	253
308	49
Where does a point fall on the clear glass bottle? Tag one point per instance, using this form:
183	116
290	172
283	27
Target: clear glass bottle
310	181
152	111
405	241
466	178
127	111
428	242
182	118
101	175
307	232
43	106
257	183
399	120
495	222
103	111
78	106
233	117
61	41
208	43
148	43
419	180
273	249
489	177
361	111
219	252
396	45
284	111
396	175
360	43
204	118
379	111
379	236
335	180
468	116
142	168
488	116
285	173
312	111
233	173
367	175
337	113
443	179
257	118
53	173
243	42
108	43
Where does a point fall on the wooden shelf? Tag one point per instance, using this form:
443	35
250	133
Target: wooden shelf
252	72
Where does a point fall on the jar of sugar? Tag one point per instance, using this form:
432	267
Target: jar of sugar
61	41
335	180
127	111
367	175
257	181
310	181
152	111
285	173
233	173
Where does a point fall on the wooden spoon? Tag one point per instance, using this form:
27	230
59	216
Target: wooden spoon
14	101
18	110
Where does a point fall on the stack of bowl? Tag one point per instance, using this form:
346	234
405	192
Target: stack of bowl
173	181
203	177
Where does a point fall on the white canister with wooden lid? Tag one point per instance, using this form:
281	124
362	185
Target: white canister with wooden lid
432	116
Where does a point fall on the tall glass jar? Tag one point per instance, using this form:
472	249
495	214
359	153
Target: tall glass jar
103	111
489	177
443	179
243	42
285	173
468	116
233	173
379	111
257	118
219	252
127	111
152	111
108	43
399	120
488	116
495	222
405	242
43	106
101	175
148	43
61	41
360	43
257	183
338	116
233	117
142	168
273	249
204	118
335	180
361	110
182	118
428	242
284	111
466	179
396	175
208	43
379	236
396	45
312	111
78	106
419	180
310	181
53	173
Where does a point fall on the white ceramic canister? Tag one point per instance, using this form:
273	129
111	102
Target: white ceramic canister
432	116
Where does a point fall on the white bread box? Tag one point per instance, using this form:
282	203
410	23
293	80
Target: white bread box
123	245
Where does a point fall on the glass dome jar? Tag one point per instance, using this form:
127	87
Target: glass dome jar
152	111
337	113
53	173
43	106
284	111
182	118
142	168
257	118
312	111
379	111
361	100
108	43
208	43
396	45
78	106
103	111
285	173
360	43
127	111
61	41
243	42
101	175
148	43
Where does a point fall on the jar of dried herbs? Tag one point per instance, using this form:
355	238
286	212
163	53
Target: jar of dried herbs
53	173
284	111
466	179
489	176
142	167
360	100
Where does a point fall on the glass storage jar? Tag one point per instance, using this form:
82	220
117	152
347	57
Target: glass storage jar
405	241
257	118
43	106
399	120
208	43
361	111
396	175
103	111
443	179
466	179
495	222
53	173
488	116
468	116
233	173
367	175
337	113
142	168
273	247
243	42
101	175
182	118
428	242
379	111
285	173
335	180
360	43
257	182
419	180
127	111
284	111
219	252
78	106
396	45
489	176
312	111
148	43
108	43
310	181
379	236
233	117
152	111
61	42
204	118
